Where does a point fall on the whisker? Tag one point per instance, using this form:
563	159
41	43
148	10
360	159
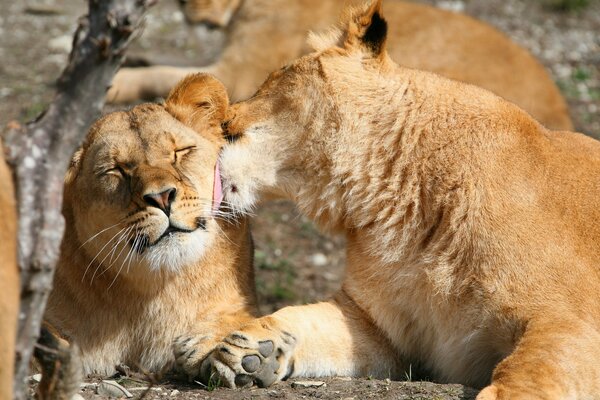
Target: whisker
131	250
99	252
123	239
124	234
99	233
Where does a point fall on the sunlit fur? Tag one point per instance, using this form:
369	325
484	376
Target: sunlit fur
472	230
264	35
124	287
9	280
215	13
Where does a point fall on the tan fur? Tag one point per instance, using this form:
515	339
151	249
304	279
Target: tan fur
123	306
9	280
421	37
472	230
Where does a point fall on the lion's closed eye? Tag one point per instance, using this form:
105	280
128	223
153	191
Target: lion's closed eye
114	170
180	153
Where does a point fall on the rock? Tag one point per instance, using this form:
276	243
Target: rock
308	384
37	378
455	6
112	389
77	396
61	43
174	393
319	260
91	386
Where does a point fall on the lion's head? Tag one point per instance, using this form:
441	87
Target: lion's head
144	189
213	13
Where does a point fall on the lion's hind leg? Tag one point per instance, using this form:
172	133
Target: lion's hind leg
554	359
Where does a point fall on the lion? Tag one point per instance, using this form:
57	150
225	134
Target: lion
9	276
422	37
147	254
473	244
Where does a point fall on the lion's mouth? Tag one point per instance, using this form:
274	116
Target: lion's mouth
142	242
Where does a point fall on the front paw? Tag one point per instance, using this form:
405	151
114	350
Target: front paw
258	353
191	353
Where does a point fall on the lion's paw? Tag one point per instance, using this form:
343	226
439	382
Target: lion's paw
191	354
258	353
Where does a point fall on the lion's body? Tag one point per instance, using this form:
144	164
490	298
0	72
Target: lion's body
125	288
9	276
473	242
421	37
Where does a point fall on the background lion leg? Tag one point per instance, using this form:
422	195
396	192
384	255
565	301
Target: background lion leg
555	359
148	83
324	339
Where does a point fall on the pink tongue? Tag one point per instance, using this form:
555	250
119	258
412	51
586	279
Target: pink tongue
217	189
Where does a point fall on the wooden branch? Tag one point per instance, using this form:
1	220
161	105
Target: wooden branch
40	152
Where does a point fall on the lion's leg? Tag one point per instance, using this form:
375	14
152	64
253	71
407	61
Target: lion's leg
324	339
555	359
147	83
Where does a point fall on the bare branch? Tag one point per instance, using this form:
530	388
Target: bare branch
39	154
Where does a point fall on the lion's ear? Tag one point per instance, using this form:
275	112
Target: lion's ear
199	101
74	166
367	30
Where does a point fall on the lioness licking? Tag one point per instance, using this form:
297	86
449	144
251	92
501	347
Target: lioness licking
146	258
472	230
265	34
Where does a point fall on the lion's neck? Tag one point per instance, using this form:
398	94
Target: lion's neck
398	174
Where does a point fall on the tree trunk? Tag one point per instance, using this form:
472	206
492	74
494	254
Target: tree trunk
40	152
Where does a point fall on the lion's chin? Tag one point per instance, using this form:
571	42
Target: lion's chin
176	252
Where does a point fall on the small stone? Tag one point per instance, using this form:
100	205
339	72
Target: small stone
344	378
77	396
174	393
37	378
319	260
61	43
112	389
308	384
455	6
91	386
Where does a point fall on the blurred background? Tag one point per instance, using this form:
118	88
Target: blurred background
295	263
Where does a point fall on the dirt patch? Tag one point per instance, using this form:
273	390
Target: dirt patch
326	389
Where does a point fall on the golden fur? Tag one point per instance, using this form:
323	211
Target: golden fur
472	230
266	34
125	287
9	278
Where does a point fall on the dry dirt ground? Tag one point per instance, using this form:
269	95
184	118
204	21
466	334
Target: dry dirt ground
295	262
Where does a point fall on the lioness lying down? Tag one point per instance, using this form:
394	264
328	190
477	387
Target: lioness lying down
472	231
263	35
145	257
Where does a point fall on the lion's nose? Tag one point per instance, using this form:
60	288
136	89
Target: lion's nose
162	200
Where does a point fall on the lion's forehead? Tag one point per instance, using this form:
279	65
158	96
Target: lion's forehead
152	136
